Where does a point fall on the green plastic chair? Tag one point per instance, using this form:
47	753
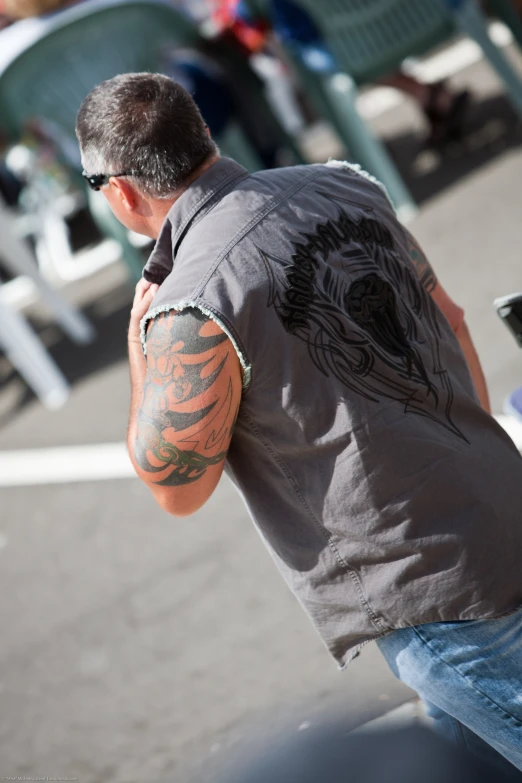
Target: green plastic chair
85	46
371	38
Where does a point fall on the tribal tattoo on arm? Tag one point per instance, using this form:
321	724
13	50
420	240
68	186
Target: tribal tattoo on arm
423	268
190	399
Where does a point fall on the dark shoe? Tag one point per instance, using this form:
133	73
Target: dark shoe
446	125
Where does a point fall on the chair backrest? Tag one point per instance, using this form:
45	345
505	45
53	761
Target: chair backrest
370	38
84	46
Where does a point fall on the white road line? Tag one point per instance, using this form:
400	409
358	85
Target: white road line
443	65
104	462
29	467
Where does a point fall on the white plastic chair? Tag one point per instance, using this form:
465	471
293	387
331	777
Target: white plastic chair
19	342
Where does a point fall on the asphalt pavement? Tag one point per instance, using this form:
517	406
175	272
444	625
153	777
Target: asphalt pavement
137	646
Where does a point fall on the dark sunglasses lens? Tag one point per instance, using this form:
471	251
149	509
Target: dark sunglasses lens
94	181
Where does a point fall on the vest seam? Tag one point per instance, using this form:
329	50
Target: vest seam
207	195
242	233
375	619
231	179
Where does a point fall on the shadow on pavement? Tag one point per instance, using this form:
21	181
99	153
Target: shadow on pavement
492	129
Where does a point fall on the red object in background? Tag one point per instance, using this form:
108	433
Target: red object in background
4	21
250	35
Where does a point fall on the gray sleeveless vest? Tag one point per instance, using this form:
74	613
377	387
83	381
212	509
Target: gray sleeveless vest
387	496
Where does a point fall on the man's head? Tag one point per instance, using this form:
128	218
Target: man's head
146	136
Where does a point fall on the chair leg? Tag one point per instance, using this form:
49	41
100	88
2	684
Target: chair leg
18	258
27	354
364	148
473	23
506	11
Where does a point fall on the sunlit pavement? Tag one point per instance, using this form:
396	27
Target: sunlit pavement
135	644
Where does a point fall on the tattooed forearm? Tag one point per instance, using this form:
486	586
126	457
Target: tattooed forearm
187	416
187	466
423	267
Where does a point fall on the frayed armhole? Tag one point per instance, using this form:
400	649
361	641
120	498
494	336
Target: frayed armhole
357	169
179	307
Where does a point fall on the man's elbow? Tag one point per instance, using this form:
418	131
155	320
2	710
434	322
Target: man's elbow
171	500
182	500
176	504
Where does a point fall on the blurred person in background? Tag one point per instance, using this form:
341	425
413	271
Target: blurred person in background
289	328
444	109
225	94
208	84
231	52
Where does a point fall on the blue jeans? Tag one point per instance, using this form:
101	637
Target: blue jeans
469	674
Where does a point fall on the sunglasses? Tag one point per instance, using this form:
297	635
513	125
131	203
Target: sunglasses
97	181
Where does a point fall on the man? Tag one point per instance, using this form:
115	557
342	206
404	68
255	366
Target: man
294	329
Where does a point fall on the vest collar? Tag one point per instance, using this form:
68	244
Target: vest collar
211	184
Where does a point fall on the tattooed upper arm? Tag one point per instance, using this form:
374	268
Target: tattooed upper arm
422	266
190	403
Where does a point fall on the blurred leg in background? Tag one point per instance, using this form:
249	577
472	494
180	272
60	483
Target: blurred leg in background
445	110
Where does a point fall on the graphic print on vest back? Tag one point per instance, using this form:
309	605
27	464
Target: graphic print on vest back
364	319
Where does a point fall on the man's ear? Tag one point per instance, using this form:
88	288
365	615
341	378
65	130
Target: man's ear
125	193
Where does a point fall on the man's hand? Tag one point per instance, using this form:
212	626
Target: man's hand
143	297
144	294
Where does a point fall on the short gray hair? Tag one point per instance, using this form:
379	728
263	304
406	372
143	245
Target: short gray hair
145	123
